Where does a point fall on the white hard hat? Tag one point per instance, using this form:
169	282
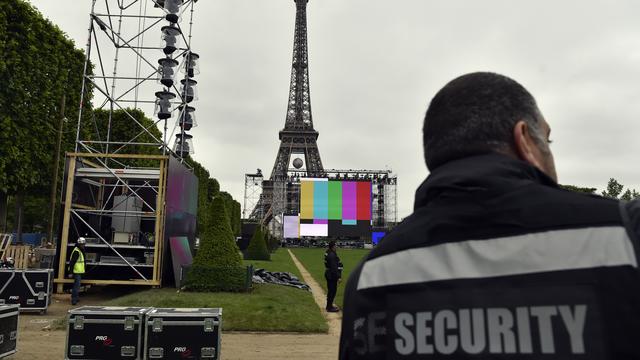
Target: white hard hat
82	240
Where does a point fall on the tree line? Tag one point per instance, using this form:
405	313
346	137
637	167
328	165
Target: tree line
614	190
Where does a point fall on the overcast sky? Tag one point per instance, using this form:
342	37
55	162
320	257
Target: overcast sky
374	66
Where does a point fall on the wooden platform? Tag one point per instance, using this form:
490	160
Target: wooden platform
20	254
5	241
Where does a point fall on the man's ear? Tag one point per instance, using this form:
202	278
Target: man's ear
526	147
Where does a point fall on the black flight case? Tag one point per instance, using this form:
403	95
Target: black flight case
104	332
183	334
30	288
8	329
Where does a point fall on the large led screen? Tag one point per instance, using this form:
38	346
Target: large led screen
335	208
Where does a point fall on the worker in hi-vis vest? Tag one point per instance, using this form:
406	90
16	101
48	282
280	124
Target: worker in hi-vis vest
76	268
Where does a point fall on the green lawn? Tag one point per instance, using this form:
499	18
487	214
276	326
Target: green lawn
313	261
267	308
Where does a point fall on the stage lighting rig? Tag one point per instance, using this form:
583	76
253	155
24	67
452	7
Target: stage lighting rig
172	8
189	90
183	145
163	104
187	118
170	39
167	71
192	64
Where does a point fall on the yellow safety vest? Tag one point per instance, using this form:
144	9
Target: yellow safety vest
78	267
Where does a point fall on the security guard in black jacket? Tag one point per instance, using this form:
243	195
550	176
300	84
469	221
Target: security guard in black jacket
497	261
333	275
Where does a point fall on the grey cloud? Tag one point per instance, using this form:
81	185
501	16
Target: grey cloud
374	65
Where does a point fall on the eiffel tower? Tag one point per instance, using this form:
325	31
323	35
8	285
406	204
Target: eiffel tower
298	135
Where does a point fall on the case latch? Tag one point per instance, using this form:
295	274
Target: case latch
128	351
78	324
209	324
208	352
157	325
77	350
156	353
129	323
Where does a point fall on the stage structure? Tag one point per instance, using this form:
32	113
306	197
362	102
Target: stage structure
337	204
277	198
127	188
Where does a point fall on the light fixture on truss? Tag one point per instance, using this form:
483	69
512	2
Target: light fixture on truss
167	71
163	104
183	145
187	118
170	39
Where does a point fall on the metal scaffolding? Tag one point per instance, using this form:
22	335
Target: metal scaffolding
134	51
252	193
133	68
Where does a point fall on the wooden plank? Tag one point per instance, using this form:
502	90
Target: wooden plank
110	282
64	239
20	255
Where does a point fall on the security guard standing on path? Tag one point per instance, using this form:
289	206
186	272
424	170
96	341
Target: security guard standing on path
333	275
76	268
497	261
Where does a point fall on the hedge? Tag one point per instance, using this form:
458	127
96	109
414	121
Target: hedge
217	264
211	278
257	249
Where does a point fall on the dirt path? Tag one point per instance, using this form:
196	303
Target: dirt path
333	319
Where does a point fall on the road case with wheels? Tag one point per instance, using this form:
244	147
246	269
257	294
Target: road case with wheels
103	332
8	329
30	288
183	334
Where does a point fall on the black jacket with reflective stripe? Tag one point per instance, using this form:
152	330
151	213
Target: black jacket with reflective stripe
497	261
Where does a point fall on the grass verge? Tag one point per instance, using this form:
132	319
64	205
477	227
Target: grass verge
313	261
267	308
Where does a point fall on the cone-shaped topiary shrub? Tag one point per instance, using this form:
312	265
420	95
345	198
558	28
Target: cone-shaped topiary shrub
217	265
257	249
273	243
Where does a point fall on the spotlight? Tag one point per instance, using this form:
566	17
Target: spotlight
187	118
170	39
192	64
183	145
166	71
189	90
173	8
163	104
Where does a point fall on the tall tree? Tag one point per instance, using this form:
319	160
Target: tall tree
38	64
614	189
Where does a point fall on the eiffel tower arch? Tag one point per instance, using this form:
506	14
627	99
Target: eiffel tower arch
298	138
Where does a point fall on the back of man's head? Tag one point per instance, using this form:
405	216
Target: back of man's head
476	114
